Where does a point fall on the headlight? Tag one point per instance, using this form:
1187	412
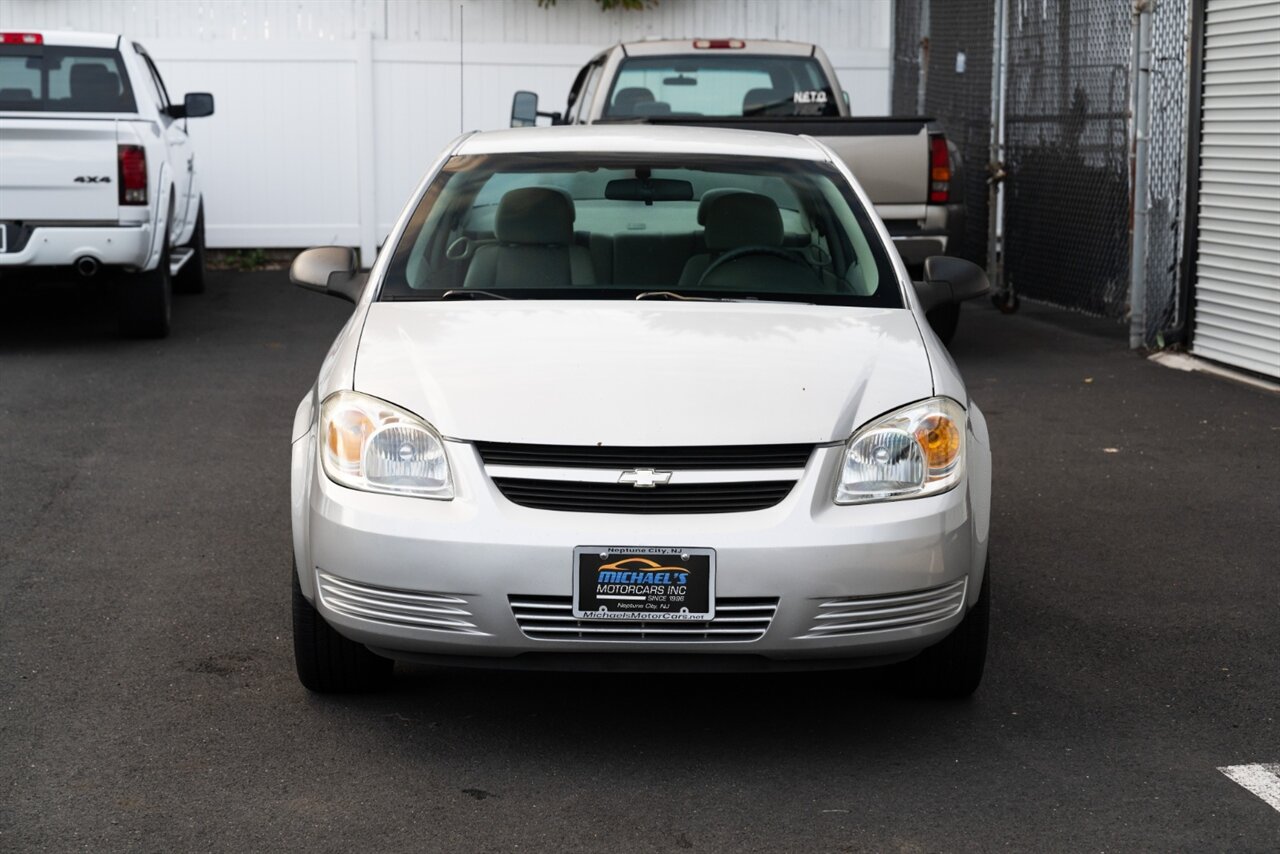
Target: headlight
917	450
368	444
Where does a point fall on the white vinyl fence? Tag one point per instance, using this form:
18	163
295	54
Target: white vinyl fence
329	111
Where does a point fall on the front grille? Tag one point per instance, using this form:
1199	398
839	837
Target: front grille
688	458
551	618
438	612
585	497
860	614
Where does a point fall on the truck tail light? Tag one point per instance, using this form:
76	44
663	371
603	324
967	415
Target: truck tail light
719	44
21	38
939	170
133	175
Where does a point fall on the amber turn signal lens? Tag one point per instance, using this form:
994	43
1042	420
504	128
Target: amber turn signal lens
939	437
347	433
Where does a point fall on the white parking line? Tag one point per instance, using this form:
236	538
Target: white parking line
1262	780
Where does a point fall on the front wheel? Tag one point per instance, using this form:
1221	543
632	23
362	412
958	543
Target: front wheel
952	668
326	661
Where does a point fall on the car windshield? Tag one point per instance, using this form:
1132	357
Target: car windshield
720	85
38	78
593	226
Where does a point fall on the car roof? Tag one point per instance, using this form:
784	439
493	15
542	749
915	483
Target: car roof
642	139
666	47
70	38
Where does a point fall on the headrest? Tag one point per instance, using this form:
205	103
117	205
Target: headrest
757	100
742	219
625	101
535	216
91	80
652	108
706	200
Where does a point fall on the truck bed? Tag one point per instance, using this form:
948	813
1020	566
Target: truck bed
889	155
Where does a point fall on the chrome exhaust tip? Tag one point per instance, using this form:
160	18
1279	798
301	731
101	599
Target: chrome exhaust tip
87	265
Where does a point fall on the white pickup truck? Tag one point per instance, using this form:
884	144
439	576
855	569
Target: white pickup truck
97	172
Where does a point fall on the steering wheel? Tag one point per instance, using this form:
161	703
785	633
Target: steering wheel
748	251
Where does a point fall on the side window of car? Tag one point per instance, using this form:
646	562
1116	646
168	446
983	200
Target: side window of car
155	85
582	110
575	94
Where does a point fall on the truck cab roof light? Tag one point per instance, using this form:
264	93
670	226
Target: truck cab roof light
719	44
21	38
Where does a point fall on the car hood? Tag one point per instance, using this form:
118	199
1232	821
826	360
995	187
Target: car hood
641	373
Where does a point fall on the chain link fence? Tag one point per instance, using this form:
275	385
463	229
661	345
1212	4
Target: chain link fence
910	42
1167	167
1066	215
945	47
1068	198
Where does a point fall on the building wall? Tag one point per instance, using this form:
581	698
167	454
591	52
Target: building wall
329	111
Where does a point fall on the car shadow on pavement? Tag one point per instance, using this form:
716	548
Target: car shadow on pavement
622	719
52	313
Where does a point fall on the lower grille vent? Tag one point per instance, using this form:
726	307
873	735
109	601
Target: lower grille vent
551	618
860	614
439	612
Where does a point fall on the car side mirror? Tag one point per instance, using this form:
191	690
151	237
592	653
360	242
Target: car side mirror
950	280
195	105
329	270
524	109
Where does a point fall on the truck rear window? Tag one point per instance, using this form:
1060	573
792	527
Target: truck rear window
44	79
719	85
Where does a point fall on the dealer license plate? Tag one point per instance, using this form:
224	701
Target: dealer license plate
643	583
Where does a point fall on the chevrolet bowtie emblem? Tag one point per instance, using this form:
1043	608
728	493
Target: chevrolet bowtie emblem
644	478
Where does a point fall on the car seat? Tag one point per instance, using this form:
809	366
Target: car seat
535	244
767	102
94	86
733	219
627	100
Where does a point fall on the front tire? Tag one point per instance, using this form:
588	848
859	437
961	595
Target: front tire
190	279
326	661
952	669
146	299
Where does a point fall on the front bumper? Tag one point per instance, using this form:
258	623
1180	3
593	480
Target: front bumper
56	245
482	579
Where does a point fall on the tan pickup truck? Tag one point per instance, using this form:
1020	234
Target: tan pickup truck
907	167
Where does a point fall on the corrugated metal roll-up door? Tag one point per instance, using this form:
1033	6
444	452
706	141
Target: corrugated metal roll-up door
1237	291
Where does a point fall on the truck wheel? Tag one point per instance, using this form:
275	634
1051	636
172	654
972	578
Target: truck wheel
326	661
952	669
190	279
146	299
944	319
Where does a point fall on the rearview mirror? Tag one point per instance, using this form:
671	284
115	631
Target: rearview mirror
950	280
648	190
524	109
328	270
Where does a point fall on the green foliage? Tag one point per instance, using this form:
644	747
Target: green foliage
605	5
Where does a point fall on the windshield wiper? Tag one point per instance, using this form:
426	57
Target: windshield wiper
674	295
471	293
686	298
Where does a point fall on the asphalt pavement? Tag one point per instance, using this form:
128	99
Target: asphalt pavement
148	700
